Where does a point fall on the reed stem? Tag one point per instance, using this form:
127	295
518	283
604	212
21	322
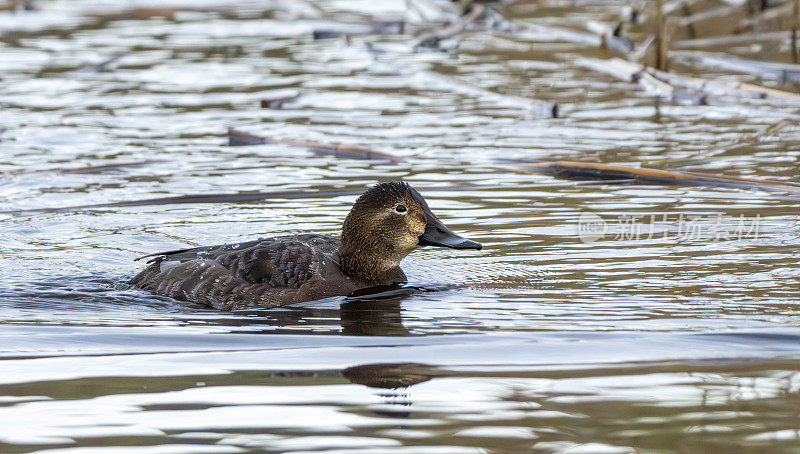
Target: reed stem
661	39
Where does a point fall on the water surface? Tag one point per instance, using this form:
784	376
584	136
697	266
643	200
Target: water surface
675	330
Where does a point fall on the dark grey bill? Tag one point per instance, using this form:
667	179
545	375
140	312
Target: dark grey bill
436	234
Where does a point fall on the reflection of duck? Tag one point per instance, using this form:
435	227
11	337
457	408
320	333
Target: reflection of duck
385	224
389	376
372	318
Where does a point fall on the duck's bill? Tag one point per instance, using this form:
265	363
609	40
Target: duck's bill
436	234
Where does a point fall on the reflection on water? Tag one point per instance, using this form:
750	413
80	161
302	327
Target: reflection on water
666	329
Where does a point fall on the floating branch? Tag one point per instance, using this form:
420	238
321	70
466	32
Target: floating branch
725	88
611	37
641	175
236	137
432	39
602	35
781	72
635	73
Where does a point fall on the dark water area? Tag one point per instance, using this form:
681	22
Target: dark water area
669	325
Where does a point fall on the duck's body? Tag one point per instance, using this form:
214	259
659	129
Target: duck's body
273	272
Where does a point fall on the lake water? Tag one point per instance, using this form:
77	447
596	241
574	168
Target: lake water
669	326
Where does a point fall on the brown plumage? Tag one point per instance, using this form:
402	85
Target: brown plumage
385	224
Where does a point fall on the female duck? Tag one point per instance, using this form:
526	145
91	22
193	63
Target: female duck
385	224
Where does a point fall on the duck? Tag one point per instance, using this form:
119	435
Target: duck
385	224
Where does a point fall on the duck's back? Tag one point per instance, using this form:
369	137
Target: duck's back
264	273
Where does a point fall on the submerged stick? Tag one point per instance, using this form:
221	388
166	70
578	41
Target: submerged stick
236	138
641	175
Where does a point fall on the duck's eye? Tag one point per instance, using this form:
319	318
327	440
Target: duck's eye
400	208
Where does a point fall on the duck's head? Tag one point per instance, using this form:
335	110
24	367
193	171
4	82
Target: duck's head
385	224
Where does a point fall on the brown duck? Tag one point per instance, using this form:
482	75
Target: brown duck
385	224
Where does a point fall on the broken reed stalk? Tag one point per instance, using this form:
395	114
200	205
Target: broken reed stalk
687	12
601	35
571	170
432	39
629	72
611	37
723	88
236	138
665	84
661	38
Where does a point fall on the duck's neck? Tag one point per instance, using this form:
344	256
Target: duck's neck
370	264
